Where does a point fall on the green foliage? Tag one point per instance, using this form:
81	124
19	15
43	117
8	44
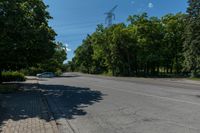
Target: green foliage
31	71
26	39
174	26
58	72
69	67
83	57
12	76
195	79
192	38
54	64
149	35
146	46
56	61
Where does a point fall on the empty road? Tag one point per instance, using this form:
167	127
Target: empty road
92	104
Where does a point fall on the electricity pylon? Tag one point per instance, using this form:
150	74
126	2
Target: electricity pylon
110	16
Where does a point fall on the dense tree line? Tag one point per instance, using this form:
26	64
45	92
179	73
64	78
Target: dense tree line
145	46
192	38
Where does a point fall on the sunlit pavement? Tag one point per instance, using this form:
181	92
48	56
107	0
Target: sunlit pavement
77	103
93	104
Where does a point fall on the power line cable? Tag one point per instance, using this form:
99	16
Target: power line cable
80	34
77	28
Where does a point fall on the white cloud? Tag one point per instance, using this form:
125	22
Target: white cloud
150	5
66	45
67	48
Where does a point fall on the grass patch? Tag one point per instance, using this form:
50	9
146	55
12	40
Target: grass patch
196	79
4	89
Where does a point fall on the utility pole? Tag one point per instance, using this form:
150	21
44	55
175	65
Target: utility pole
110	16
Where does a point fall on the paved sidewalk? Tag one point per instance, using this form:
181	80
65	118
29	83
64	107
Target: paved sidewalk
26	112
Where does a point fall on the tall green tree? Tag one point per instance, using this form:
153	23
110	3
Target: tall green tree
192	37
101	50
25	38
83	56
55	63
149	39
123	50
174	26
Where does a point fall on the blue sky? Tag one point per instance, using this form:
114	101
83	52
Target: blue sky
74	19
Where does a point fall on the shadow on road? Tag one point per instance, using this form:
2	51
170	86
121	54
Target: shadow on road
46	102
69	101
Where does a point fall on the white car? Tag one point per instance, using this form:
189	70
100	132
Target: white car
45	75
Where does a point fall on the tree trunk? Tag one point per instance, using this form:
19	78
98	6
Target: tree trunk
113	71
129	66
158	70
171	69
167	69
177	67
1	79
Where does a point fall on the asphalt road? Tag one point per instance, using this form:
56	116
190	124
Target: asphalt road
93	104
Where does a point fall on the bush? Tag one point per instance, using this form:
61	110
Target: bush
12	76
32	71
58	72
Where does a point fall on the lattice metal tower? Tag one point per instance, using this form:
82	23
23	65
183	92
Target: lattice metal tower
110	16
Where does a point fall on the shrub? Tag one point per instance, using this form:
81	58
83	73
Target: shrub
12	76
32	71
58	72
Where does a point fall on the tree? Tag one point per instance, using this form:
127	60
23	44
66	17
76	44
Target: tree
123	50
144	47
100	50
149	39
116	49
70	66
173	41
192	37
83	56
25	38
55	63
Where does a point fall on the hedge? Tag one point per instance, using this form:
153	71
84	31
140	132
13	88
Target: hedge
12	76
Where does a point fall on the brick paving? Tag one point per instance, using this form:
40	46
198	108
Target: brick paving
26	112
44	108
